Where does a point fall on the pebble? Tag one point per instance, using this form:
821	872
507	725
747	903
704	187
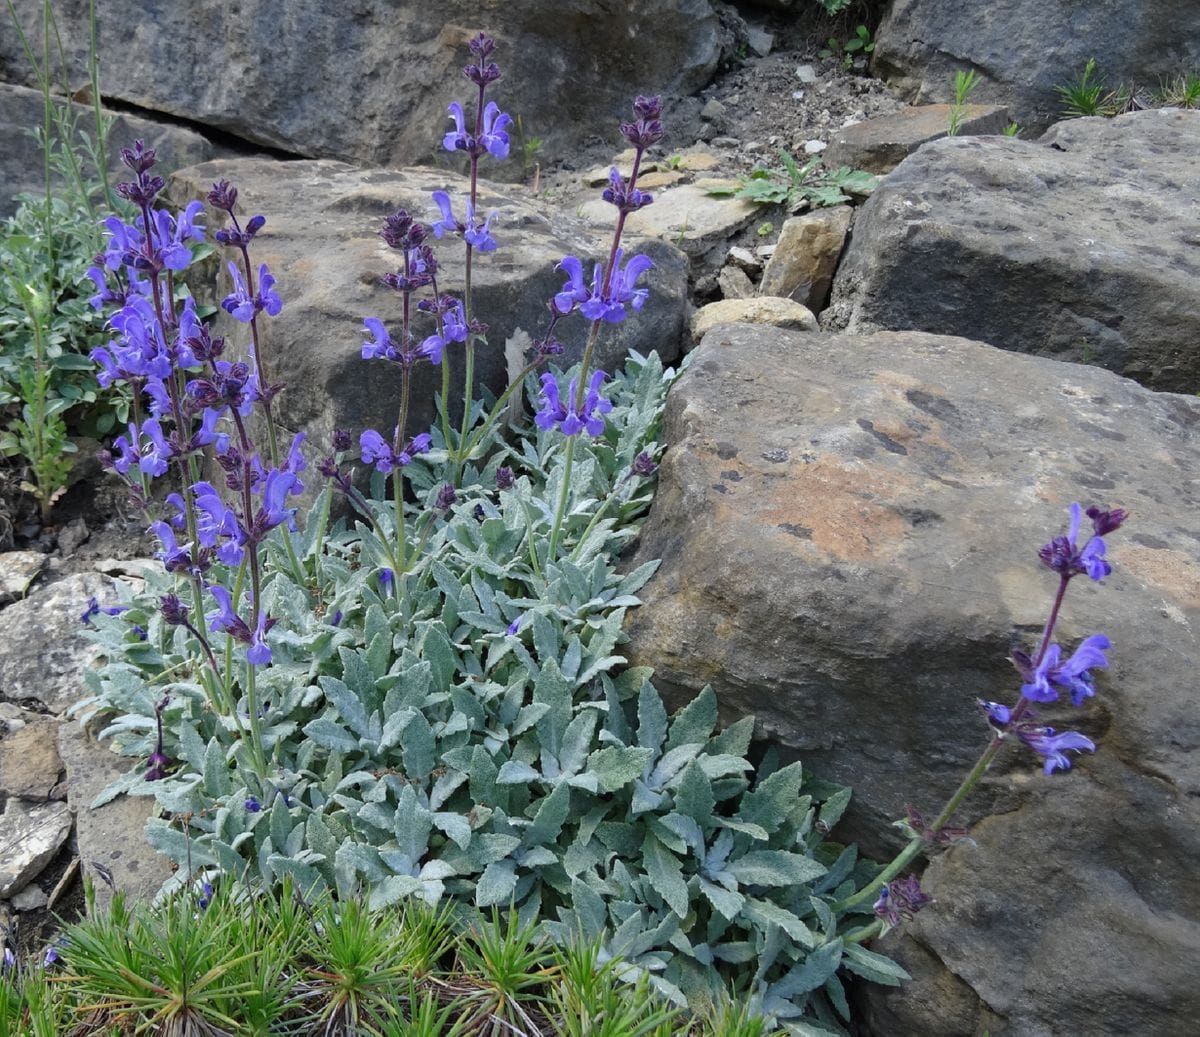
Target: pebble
726	143
814	147
713	111
30	898
744	258
806	74
760	40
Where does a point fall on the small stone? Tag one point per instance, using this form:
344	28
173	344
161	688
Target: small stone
735	283
134	567
759	40
726	143
779	313
30	898
700	161
814	147
806	74
657	181
30	766
765	251
33	834
806	256
72	536
18	570
713	111
744	258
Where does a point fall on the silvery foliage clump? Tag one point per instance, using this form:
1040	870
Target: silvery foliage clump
419	749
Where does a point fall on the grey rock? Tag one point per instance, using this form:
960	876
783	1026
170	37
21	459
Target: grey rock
762	309
802	265
713	111
30	767
111	836
45	650
735	283
759	40
371	83
687	216
321	238
72	536
1081	247
21	157
30	898
744	258
18	570
806	74
849	528
33	834
1024	49
879	145
814	147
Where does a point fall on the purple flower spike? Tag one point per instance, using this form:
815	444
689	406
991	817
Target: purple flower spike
596	304
242	306
252	805
1071	676
493	137
569	420
1067	559
259	654
1053	746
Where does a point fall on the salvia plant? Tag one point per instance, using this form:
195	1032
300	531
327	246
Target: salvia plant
423	701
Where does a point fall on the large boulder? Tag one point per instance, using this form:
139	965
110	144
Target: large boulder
322	243
1023	49
21	169
849	528
369	82
1081	246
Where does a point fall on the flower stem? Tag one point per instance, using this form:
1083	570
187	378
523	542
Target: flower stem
563	495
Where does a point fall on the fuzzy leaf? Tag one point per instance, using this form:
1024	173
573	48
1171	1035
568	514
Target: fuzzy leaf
694	797
550	816
329	735
695	721
514	772
665	873
774	868
872	966
614	767
652	718
496	885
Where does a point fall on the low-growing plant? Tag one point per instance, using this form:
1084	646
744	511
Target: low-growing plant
1089	95
1181	91
796	185
861	44
214	960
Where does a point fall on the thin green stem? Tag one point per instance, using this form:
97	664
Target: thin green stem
478	435
564	494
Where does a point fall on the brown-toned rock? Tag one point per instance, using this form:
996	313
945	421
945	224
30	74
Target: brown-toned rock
879	145
761	309
806	255
849	529
30	767
111	836
321	239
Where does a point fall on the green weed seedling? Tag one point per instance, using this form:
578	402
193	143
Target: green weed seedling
965	83
795	185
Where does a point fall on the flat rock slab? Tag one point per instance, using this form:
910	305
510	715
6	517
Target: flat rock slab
880	145
18	570
849	527
687	216
762	309
321	240
32	833
30	767
1082	246
113	835
45	651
